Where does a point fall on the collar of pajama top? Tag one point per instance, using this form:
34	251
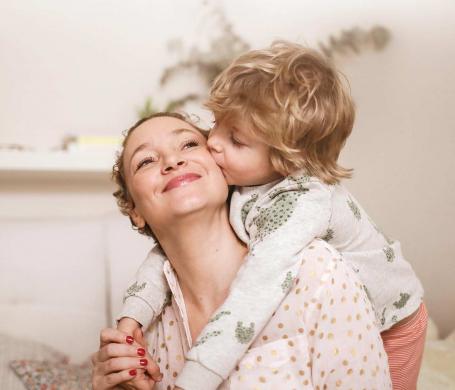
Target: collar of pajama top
299	348
178	304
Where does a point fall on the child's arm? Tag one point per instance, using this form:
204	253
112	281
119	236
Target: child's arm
128	325
284	221
145	298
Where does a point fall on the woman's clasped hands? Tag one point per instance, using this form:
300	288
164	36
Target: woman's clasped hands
122	362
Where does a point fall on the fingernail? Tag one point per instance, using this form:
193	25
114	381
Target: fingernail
141	351
129	339
133	372
143	362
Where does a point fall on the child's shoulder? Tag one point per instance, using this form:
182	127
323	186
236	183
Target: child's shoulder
296	186
300	183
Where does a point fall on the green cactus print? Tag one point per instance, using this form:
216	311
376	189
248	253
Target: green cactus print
208	336
219	315
287	282
404	298
244	334
383	317
168	299
247	207
354	208
389	253
133	289
271	218
328	235
298	180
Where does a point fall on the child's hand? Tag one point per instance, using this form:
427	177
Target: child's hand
128	325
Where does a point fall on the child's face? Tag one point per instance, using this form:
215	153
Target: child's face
241	155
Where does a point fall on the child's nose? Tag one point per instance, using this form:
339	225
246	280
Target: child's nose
214	144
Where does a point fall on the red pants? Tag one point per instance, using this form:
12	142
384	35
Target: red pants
404	344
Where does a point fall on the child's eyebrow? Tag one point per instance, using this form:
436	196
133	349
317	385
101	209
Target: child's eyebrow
242	133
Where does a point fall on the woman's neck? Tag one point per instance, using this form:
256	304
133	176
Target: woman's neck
206	255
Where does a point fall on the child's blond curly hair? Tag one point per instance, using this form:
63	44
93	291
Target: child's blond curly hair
296	102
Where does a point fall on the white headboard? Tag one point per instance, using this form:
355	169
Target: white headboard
62	279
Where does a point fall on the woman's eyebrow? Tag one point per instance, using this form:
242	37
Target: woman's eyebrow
145	145
139	148
182	130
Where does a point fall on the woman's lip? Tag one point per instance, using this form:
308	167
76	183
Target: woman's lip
181	180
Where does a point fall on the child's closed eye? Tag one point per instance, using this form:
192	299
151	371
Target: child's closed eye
236	142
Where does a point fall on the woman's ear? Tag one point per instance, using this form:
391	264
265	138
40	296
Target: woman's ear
136	218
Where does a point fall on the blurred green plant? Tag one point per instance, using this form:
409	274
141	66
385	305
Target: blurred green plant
356	40
224	47
207	63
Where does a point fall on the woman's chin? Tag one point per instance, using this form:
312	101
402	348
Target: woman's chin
186	200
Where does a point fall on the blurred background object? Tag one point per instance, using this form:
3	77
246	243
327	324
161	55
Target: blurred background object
72	70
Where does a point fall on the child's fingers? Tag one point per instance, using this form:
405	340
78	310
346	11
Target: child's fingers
154	370
112	335
139	336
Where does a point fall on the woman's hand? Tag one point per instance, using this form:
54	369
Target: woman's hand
121	362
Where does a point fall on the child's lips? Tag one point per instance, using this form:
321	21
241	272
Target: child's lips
181	180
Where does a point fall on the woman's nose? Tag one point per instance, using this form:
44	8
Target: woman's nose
173	162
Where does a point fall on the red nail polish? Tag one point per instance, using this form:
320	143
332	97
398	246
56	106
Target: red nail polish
133	372
143	362
141	351
129	339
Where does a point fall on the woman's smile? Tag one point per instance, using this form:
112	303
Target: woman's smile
181	180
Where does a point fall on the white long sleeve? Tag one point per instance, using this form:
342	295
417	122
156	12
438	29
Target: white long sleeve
145	297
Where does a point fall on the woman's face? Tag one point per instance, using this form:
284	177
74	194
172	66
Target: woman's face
170	173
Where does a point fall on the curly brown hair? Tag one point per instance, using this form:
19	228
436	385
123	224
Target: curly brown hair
123	198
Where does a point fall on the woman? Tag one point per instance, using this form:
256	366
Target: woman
322	336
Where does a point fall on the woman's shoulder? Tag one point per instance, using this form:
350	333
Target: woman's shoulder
323	273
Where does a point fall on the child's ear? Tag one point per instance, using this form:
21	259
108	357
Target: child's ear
137	219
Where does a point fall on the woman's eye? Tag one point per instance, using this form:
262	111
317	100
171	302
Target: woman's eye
190	144
144	162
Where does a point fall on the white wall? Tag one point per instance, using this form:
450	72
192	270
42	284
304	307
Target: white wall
84	67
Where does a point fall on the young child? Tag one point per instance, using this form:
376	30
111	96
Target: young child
282	116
